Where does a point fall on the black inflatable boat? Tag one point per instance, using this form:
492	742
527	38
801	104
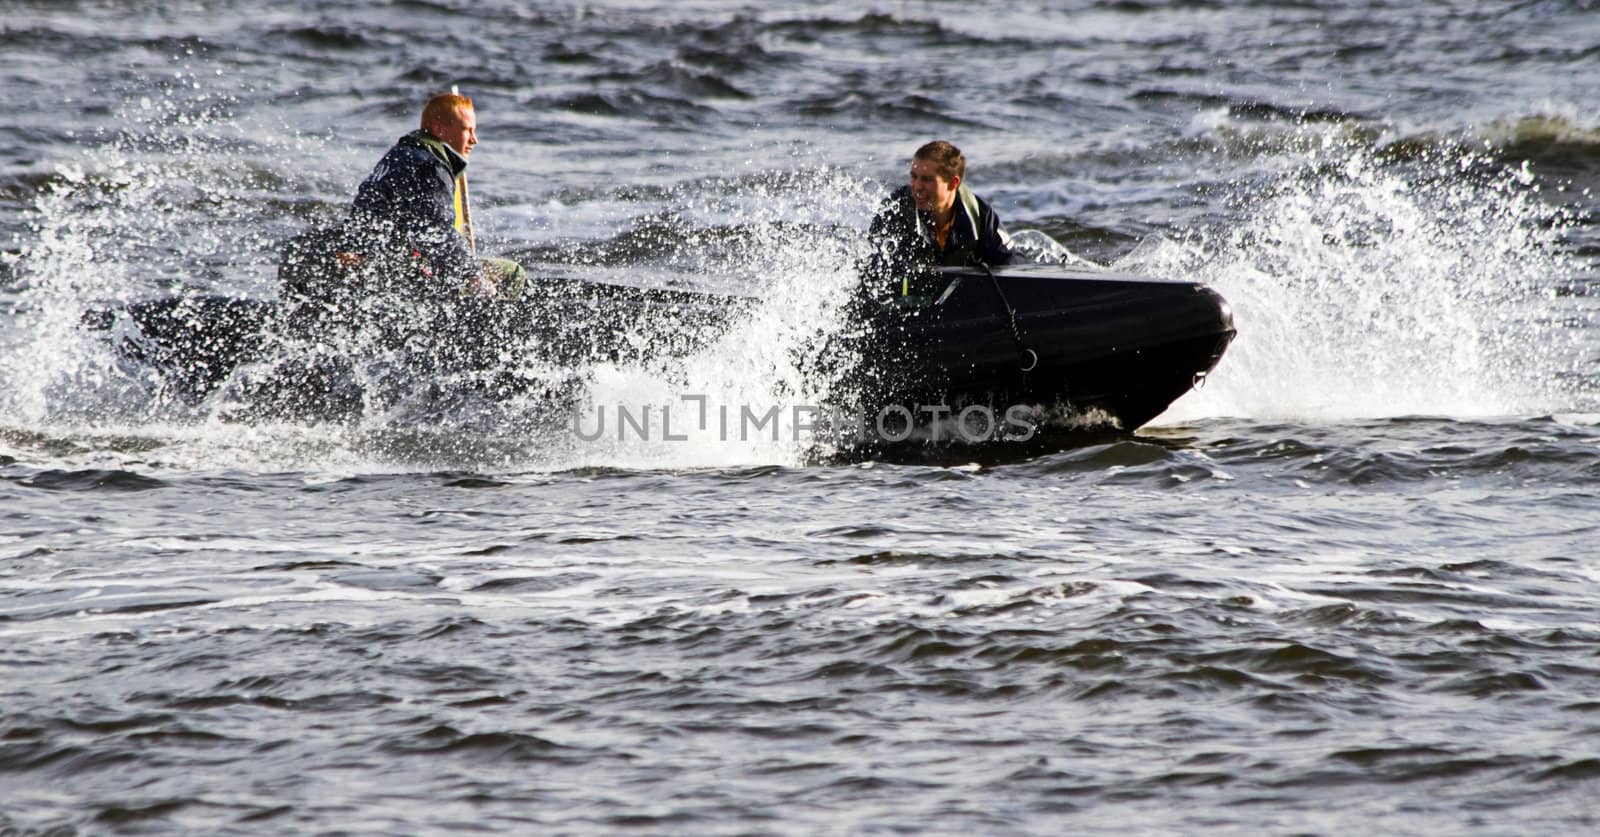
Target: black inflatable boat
1111	349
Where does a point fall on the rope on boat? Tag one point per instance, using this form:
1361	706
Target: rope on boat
1029	358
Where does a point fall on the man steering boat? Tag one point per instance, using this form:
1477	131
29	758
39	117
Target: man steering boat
415	203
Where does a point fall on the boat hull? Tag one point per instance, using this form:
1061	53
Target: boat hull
1107	349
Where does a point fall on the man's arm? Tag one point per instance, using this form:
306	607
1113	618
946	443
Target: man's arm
433	229
890	256
899	252
994	245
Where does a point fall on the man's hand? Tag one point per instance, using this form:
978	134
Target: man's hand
484	284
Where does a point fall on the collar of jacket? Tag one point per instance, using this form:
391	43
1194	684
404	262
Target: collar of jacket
437	148
964	198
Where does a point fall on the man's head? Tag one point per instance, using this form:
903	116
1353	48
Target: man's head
452	120
936	172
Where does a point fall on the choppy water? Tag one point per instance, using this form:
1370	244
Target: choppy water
1350	584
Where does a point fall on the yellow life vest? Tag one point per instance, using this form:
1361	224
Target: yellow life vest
444	153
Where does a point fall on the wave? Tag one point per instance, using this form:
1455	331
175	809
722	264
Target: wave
1543	129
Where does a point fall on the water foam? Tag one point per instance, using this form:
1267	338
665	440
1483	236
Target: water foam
752	395
149	211
172	203
1366	285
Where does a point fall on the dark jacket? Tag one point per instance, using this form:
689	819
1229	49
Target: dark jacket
903	240
408	204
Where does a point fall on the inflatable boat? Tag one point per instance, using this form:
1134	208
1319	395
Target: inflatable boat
1113	350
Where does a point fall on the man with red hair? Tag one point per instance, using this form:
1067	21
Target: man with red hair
414	202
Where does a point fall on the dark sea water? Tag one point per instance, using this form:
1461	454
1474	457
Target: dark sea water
1351	585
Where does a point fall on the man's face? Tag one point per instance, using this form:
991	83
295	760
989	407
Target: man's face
931	191
460	131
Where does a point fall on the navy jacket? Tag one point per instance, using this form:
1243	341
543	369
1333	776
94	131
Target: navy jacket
408	203
903	241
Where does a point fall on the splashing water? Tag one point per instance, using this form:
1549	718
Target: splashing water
752	395
149	212
1365	286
